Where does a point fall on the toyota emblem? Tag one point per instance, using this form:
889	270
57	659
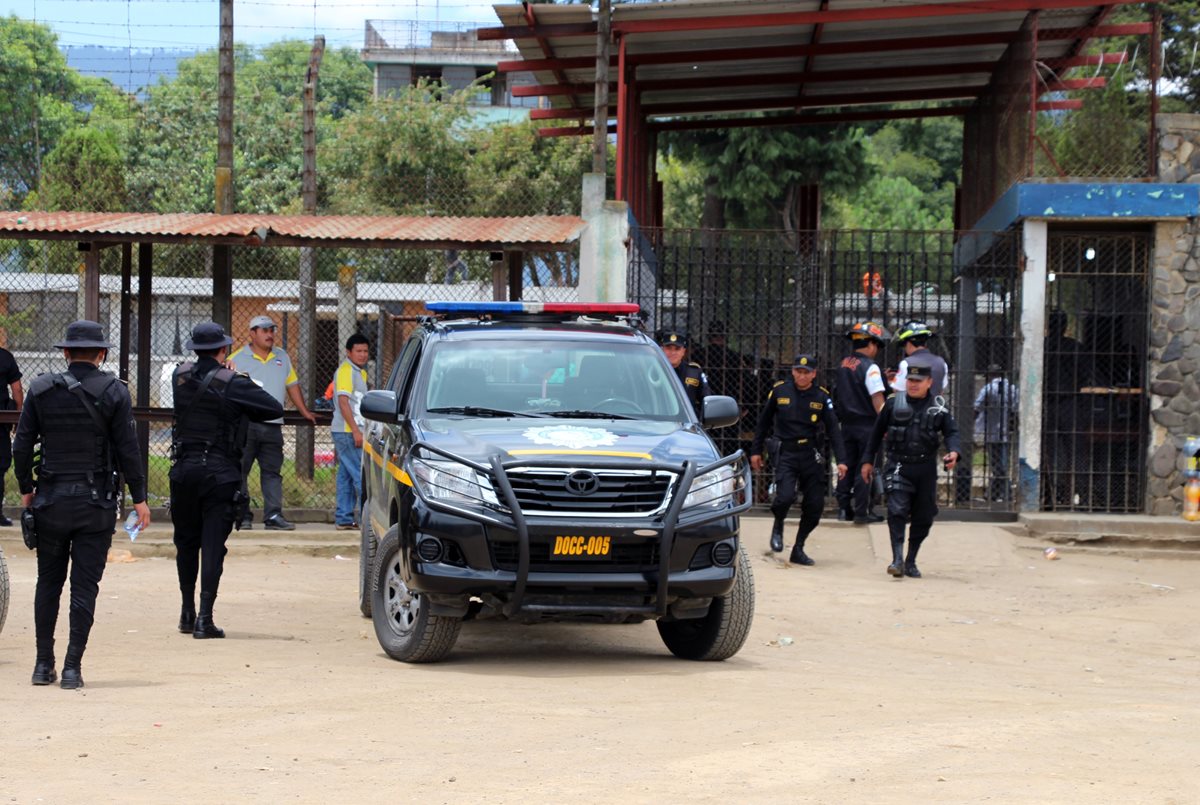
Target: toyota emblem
582	482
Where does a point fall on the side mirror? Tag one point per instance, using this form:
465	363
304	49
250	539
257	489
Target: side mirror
720	411
379	406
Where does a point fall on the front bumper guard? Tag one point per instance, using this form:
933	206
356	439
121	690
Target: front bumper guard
508	515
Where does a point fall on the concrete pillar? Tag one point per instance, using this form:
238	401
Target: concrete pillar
603	246
347	304
1034	238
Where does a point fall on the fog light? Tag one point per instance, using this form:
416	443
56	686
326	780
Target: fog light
723	553
430	549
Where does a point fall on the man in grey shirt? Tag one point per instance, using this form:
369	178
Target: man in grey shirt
272	369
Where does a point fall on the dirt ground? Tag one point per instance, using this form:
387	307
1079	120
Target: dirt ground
1000	676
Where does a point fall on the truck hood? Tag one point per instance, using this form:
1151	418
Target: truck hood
599	440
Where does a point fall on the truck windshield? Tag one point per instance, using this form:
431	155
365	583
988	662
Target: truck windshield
559	378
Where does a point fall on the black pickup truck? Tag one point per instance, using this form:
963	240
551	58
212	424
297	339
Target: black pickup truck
540	462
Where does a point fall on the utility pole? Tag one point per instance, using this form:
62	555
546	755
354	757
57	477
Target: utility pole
308	261
600	115
222	271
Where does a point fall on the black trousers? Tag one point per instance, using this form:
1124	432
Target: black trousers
800	470
853	493
202	511
73	534
911	498
5	455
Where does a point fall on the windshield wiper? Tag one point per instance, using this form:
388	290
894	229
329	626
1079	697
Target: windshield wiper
472	410
582	414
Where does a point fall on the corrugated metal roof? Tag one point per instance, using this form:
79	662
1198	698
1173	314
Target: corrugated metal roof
829	65
542	231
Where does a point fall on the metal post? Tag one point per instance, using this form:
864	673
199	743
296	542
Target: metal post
126	303
145	358
307	292
91	283
222	286
224	177
600	116
516	274
1155	76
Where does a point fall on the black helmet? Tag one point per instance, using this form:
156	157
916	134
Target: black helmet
917	331
869	331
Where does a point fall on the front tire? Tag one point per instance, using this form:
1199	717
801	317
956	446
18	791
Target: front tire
366	564
719	634
403	624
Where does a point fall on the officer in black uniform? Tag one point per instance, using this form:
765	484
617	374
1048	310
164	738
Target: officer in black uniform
796	413
859	390
911	425
84	420
695	384
212	407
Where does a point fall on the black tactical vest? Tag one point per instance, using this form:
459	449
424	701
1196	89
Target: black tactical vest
74	448
203	425
915	437
854	401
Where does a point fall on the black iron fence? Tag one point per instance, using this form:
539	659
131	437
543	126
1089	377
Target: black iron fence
1094	415
752	300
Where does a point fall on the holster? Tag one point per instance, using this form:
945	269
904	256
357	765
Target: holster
241	508
29	529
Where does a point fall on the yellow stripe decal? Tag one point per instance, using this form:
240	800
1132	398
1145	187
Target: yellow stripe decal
617	453
391	468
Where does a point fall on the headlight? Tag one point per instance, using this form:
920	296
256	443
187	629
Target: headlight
713	489
452	482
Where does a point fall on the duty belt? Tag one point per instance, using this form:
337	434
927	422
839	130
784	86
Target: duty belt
794	444
913	459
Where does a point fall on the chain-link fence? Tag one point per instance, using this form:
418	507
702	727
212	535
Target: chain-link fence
752	300
42	290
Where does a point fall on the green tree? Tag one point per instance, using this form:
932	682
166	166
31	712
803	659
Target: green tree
85	171
39	100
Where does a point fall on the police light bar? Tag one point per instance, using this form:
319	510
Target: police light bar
495	308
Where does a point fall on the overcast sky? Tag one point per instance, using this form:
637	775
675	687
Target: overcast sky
192	24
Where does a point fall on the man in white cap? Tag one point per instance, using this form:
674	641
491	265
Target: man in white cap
272	369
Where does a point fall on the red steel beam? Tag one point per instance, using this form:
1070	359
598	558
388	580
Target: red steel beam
622	119
572	131
869	14
1062	85
815	39
534	31
547	51
825	49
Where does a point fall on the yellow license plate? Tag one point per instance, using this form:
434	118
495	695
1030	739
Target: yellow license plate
581	547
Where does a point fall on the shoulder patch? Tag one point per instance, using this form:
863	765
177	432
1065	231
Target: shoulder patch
778	383
822	388
693	363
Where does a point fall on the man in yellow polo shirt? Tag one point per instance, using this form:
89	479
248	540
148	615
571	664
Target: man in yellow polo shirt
349	386
272	369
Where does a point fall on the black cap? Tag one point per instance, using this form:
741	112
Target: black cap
83	334
919	370
207	335
676	337
805	360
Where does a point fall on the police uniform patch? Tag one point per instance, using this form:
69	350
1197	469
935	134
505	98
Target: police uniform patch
816	406
693	381
783	400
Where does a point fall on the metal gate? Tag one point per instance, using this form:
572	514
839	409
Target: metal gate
752	300
1095	403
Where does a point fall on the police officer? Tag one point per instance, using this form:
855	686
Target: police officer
913	338
84	420
213	405
695	384
911	425
796	413
859	390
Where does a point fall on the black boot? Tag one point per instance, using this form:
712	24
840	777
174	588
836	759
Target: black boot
910	562
187	609
896	568
72	678
799	557
204	628
44	673
777	535
845	515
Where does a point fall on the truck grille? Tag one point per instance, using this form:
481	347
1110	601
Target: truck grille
549	491
625	557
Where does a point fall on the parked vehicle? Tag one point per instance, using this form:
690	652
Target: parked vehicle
540	462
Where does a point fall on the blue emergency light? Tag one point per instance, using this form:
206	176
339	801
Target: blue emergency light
500	308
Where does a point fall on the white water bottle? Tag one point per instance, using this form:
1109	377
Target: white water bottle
131	525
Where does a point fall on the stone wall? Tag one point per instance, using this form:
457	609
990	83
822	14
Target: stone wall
1174	323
